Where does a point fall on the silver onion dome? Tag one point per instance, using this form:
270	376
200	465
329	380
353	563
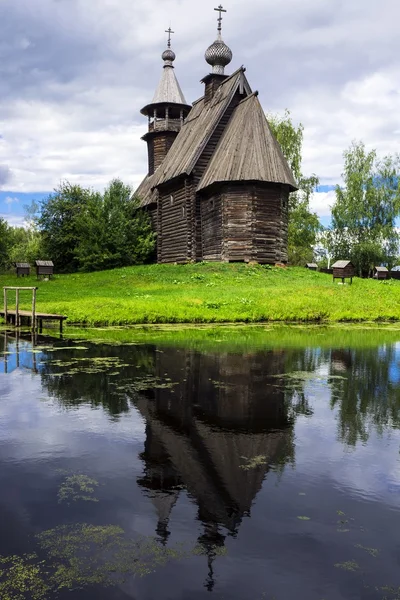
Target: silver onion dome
168	55
218	55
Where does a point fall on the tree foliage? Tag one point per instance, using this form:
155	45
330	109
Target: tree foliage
5	243
304	224
85	230
366	208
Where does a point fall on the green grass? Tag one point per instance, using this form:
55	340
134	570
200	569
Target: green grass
211	293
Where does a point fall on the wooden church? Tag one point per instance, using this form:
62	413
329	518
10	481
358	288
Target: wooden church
218	184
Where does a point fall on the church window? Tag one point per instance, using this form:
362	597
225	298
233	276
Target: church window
171	199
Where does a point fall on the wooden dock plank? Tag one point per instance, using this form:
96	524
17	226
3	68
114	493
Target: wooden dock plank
27	313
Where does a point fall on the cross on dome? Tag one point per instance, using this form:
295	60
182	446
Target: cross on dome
168	55
169	31
219	55
221	10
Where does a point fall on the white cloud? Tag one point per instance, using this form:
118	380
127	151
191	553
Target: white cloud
9	200
321	203
72	81
14	220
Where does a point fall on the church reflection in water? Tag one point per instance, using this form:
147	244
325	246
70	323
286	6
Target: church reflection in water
216	435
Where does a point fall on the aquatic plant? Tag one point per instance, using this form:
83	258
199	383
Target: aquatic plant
77	487
372	551
23	577
349	565
254	462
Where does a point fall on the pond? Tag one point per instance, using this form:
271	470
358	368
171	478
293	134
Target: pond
255	465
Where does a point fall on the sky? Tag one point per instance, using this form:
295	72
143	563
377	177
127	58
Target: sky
75	74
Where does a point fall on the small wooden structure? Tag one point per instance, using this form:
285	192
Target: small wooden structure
35	319
23	269
395	273
381	273
343	269
312	266
44	268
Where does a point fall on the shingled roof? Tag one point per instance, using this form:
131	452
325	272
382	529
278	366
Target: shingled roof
198	129
168	89
247	150
193	137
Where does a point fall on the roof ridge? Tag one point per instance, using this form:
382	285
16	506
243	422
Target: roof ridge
254	94
240	69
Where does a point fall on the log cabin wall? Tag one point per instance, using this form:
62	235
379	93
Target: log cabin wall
254	222
173	224
211	227
159	145
270	223
237	216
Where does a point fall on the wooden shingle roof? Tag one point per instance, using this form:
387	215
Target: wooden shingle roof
341	264
145	191
381	269
44	263
197	130
248	151
168	89
22	265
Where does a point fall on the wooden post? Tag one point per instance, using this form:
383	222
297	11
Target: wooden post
5	305
34	309
17	307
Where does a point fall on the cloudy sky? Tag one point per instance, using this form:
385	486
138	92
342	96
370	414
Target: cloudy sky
74	75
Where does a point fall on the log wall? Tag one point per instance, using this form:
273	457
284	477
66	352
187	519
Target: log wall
211	228
237	217
173	224
158	146
270	223
245	222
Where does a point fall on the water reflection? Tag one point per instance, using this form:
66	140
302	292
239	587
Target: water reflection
218	425
226	410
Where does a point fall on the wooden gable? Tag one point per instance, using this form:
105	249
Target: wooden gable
248	151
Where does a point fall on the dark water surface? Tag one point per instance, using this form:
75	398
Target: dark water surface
179	473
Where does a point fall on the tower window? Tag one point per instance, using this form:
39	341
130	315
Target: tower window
171	199
183	211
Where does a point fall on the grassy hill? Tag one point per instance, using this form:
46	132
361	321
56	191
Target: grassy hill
211	293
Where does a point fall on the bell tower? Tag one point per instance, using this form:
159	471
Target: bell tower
166	113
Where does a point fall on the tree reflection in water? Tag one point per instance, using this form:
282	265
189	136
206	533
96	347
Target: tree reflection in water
218	422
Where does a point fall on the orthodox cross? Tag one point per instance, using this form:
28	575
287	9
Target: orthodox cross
221	10
169	31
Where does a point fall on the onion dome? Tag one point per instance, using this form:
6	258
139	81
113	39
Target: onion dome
219	55
168	57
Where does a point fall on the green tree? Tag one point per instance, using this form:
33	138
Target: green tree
304	224
113	232
5	243
26	244
59	223
366	208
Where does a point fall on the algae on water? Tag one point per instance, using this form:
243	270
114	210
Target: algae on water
77	487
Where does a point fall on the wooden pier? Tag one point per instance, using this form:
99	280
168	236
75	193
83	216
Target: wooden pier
33	318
